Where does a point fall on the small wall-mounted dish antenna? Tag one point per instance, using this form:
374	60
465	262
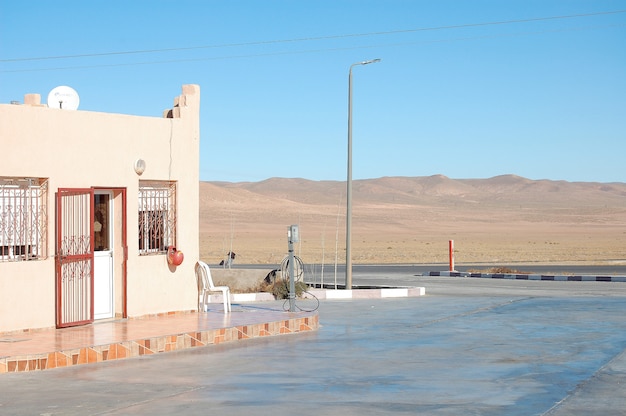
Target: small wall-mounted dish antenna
63	97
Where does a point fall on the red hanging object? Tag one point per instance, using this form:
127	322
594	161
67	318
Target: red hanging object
174	257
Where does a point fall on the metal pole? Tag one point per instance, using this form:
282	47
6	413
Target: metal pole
451	250
349	180
349	188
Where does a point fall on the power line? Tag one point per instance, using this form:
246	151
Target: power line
267	54
317	38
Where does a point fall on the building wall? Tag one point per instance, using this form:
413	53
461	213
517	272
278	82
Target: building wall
81	149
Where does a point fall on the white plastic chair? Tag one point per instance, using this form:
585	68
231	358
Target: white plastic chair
205	286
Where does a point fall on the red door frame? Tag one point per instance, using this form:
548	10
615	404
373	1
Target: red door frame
62	257
124	253
122	192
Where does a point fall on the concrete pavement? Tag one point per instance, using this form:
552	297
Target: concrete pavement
470	346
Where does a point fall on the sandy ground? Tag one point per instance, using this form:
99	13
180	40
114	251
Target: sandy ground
542	230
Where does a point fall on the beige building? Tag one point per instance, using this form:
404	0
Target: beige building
89	205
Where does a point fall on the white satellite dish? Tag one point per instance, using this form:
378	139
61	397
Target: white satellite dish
63	97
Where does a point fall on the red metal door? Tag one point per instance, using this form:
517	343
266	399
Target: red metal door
74	257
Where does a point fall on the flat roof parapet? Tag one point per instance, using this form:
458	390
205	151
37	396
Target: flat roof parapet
33	99
182	101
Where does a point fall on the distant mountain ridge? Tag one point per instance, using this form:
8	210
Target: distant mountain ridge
432	189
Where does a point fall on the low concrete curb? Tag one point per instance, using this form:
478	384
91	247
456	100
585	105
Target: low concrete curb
252	297
391	292
561	278
370	293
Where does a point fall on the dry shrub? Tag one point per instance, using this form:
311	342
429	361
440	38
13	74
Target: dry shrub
280	289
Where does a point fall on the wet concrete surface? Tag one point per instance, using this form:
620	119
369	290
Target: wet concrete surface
469	347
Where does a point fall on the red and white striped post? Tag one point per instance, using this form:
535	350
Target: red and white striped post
451	248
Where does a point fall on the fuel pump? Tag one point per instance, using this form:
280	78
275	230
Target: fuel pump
292	237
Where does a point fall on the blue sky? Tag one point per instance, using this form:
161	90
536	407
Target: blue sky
467	89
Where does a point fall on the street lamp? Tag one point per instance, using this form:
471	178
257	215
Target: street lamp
349	181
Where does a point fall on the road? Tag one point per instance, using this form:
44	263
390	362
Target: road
470	346
407	274
618	268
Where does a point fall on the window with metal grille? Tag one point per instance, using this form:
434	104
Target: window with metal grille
157	216
23	218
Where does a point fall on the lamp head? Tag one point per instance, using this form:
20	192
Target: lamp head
371	61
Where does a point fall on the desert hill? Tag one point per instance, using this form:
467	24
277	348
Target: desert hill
504	219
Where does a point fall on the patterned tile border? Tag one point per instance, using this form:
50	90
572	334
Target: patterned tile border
165	343
560	278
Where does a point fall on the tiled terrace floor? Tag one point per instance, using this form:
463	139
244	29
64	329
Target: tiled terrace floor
119	339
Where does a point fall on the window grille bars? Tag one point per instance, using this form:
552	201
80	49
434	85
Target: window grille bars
23	219
157	216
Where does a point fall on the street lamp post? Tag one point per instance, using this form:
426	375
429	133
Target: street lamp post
349	180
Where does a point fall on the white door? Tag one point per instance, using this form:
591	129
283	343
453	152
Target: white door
103	255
